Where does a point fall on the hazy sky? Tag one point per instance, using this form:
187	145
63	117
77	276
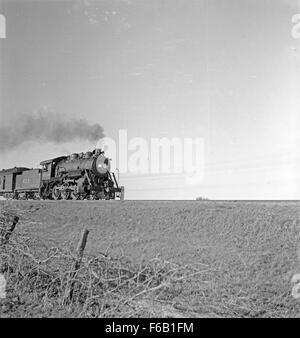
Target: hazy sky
224	70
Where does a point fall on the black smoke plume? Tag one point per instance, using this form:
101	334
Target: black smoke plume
47	127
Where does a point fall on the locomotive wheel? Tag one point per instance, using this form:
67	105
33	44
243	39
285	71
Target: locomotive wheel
36	196
66	193
74	194
88	197
56	195
83	196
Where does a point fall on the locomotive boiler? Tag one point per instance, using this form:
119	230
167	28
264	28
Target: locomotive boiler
78	176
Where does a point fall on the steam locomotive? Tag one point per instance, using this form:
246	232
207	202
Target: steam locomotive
78	176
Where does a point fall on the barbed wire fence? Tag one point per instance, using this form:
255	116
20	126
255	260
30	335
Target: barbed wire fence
88	286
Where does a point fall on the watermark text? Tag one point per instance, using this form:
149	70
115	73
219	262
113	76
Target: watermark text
296	28
2	287
2	26
157	155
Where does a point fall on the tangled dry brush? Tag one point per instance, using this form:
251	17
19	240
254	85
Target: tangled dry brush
62	283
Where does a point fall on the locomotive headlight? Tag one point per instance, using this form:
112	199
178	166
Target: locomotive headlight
102	165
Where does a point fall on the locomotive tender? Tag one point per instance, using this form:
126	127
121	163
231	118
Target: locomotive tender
78	176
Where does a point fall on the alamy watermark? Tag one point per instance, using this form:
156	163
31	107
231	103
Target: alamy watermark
296	286
2	286
2	26
296	28
157	155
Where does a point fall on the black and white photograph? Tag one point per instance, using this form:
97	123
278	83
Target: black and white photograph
149	161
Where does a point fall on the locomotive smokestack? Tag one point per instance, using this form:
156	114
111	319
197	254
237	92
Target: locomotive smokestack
47	126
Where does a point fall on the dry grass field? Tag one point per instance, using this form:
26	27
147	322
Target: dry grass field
196	259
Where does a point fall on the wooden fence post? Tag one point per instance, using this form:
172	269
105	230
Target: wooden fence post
77	263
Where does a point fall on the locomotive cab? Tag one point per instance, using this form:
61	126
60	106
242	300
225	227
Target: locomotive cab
48	167
46	171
